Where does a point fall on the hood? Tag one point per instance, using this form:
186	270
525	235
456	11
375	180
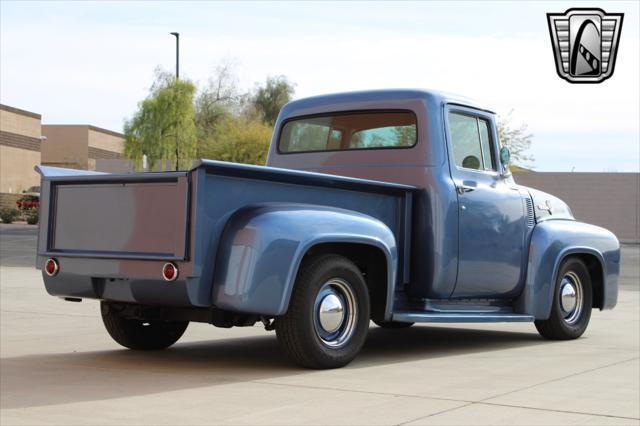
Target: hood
547	206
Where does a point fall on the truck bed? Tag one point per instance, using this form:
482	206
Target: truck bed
111	233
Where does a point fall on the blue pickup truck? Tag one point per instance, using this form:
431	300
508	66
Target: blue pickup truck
393	206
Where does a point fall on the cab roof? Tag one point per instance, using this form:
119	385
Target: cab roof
377	99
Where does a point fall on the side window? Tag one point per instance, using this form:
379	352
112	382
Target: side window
471	142
485	144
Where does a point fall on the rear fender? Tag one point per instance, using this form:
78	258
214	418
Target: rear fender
262	247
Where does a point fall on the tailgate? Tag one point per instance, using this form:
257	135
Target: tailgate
142	216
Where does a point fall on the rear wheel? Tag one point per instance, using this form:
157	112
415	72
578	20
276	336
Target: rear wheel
572	300
328	316
139	334
393	324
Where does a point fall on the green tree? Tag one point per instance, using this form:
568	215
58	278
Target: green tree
240	140
163	128
516	138
271	97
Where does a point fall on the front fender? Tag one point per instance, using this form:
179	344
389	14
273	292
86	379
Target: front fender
262	247
552	241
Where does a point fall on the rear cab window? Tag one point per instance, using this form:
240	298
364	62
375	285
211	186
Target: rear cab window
349	131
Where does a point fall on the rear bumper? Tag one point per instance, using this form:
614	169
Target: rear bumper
126	280
139	291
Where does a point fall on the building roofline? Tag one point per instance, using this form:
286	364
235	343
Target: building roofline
20	111
106	131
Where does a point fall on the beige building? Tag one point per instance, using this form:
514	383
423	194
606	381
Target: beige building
79	146
20	142
25	142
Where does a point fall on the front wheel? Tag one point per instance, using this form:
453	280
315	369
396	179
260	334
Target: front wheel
572	300
139	334
328	316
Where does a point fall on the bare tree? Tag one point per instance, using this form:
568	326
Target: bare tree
218	99
516	138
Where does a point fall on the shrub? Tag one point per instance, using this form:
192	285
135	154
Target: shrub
8	215
32	216
240	140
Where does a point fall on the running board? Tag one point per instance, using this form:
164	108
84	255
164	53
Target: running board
459	317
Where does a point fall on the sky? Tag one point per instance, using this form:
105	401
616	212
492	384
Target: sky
92	62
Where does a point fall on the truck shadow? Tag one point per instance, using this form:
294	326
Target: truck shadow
60	378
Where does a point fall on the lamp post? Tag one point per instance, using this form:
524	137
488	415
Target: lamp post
177	36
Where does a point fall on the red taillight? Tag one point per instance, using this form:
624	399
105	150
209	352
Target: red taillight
51	267
169	271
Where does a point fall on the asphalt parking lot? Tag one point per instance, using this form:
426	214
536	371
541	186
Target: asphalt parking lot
59	366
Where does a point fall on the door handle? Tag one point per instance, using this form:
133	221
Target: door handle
464	188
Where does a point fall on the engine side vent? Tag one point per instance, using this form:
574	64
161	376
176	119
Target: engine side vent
528	206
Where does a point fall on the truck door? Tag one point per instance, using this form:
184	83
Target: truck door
491	218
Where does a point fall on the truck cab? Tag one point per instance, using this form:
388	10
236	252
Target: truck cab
468	207
395	206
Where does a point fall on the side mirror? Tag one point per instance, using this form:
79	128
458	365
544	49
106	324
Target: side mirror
505	156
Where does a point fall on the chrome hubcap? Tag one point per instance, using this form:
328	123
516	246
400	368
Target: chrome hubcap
331	313
335	313
571	297
568	297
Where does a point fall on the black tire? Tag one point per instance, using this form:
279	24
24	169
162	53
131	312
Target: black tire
393	324
299	334
141	335
561	325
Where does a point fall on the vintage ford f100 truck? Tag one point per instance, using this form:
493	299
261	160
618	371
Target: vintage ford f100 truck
394	206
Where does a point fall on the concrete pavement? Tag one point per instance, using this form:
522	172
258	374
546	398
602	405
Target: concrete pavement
17	244
59	366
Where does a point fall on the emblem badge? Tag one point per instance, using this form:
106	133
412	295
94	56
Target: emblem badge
546	206
585	43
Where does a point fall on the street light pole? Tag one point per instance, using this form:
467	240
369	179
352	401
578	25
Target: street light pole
177	36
